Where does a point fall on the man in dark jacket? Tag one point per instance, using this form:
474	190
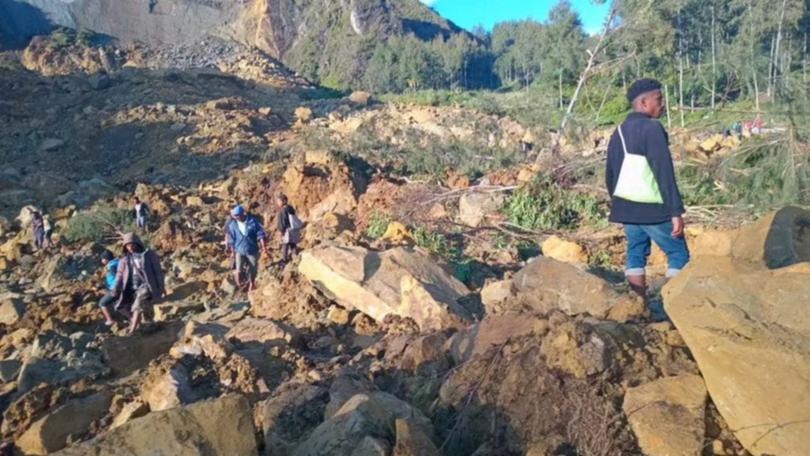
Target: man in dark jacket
246	238
139	279
659	219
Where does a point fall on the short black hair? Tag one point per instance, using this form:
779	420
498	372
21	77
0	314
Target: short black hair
107	255
641	87
282	197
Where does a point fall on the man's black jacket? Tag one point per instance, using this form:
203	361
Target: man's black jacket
644	136
283	218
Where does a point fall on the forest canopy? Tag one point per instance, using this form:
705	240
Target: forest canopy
706	51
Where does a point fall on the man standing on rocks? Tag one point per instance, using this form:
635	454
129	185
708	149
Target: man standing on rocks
641	181
138	280
141	212
289	225
246	238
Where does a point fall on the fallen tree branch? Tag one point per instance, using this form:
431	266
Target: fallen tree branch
592	55
459	192
472	391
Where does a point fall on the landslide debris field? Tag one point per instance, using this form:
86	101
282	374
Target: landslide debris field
453	296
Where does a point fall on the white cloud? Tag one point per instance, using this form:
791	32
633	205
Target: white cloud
429	2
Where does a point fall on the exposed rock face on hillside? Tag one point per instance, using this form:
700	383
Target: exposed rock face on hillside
274	26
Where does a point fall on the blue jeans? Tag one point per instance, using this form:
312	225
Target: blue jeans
638	247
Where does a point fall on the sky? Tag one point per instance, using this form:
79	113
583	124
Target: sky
468	13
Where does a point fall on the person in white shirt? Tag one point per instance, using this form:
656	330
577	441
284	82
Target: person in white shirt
141	213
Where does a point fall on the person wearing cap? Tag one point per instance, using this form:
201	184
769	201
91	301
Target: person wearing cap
640	178
246	238
138	280
110	264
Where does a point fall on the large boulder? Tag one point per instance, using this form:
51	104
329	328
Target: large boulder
546	284
290	414
667	415
60	269
167	386
56	358
125	354
777	239
222	426
12	308
399	282
51	432
492	331
749	331
362	416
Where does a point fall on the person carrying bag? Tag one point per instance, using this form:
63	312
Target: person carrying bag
640	179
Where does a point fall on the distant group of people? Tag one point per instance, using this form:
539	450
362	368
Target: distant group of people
134	280
744	128
43	230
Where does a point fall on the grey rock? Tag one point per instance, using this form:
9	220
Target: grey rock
9	368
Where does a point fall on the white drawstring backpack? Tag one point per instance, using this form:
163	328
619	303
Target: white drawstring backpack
636	179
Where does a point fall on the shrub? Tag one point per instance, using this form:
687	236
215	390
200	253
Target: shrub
98	225
450	250
60	37
545	205
377	224
84	37
435	242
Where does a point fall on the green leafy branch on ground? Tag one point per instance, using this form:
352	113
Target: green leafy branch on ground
545	205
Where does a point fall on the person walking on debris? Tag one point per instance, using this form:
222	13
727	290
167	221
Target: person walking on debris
110	268
138	280
38	225
47	231
246	238
289	225
640	178
141	212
